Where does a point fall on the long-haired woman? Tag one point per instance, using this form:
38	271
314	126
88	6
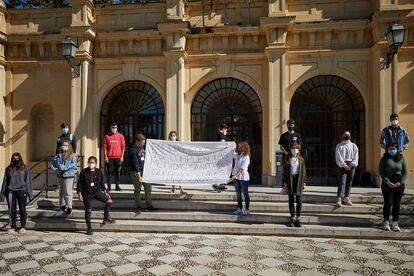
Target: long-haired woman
242	178
174	137
64	164
17	189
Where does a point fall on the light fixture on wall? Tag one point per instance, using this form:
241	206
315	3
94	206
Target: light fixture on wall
69	49
395	38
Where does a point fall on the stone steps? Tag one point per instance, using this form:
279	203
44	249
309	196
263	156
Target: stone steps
371	197
151	226
365	220
228	206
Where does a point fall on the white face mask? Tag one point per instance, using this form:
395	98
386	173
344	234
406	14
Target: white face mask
65	130
65	148
173	138
394	122
114	129
92	165
294	151
225	132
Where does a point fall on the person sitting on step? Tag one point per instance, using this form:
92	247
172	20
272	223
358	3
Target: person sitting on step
294	182
91	186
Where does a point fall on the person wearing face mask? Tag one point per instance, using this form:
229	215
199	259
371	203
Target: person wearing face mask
294	182
64	164
174	137
136	153
393	172
114	149
346	157
221	137
394	134
242	178
286	141
17	189
91	186
66	136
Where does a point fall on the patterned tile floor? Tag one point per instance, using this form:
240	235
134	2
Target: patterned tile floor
56	253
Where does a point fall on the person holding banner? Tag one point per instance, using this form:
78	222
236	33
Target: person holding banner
221	137
91	186
294	178
174	137
242	178
136	154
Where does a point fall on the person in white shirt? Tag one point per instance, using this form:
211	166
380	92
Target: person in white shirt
241	177
346	157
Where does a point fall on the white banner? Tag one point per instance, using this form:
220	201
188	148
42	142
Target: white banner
188	163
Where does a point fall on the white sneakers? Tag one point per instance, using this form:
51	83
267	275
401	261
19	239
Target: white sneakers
243	212
394	226
22	231
13	231
339	202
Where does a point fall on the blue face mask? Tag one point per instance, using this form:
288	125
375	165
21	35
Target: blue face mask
65	130
294	151
64	148
392	152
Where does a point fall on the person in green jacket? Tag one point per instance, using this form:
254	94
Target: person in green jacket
294	182
393	171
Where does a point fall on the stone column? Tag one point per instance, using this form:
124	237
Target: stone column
3	38
274	102
81	92
175	40
276	7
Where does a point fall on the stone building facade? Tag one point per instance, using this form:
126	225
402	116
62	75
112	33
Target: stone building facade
162	66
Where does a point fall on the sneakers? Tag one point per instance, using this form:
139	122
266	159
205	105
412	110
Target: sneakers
347	201
117	188
339	202
89	232
151	208
12	231
63	208
395	227
291	222
22	231
238	212
107	221
246	212
386	226
297	223
68	211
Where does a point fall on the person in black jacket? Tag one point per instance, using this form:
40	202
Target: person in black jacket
136	153
91	186
17	189
66	136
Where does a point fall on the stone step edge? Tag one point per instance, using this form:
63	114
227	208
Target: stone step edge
223	228
219	217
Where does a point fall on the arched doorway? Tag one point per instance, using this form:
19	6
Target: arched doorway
236	104
323	108
137	107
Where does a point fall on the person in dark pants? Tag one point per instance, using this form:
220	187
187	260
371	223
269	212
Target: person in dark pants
136	153
17	189
294	181
66	136
286	141
220	137
114	149
242	178
346	157
393	172
91	186
394	134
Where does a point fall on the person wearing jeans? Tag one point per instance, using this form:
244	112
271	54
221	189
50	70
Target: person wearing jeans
114	149
136	154
294	182
90	187
64	164
242	178
346	157
393	172
17	189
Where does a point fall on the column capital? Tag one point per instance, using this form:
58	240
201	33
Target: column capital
175	10
81	12
276	29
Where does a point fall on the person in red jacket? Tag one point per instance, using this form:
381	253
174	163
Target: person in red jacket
114	148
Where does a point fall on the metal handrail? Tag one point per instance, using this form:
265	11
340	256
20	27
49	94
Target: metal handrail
45	161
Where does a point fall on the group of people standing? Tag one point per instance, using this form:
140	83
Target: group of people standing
17	184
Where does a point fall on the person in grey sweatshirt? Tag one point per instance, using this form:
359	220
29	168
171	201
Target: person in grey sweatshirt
346	157
17	189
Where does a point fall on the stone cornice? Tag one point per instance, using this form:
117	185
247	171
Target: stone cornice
276	22
174	27
338	25
134	34
82	31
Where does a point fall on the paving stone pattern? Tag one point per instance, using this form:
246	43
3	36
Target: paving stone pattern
41	253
